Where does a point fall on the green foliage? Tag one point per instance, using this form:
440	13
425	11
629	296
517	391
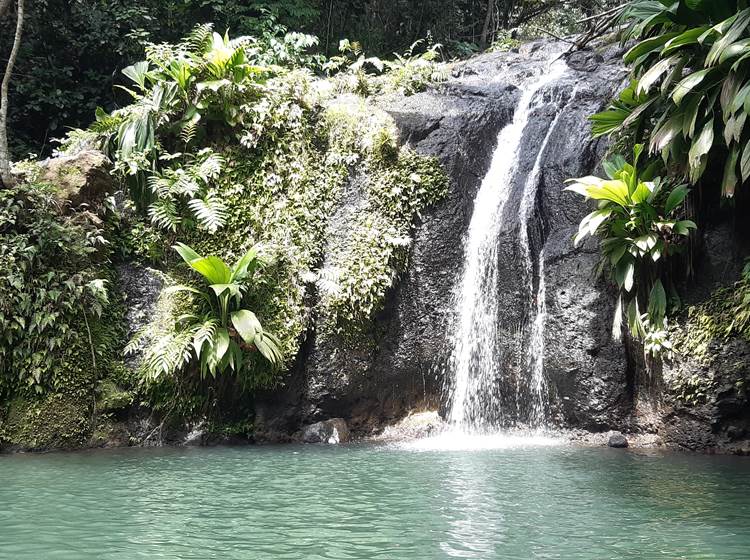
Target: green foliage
725	314
408	73
504	42
218	332
641	227
52	422
355	285
51	283
411	72
690	95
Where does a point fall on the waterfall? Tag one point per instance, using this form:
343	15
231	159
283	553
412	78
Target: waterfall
475	359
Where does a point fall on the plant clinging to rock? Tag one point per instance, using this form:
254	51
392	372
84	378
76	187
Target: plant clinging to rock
639	221
218	333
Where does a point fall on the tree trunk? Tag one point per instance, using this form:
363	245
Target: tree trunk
487	24
6	179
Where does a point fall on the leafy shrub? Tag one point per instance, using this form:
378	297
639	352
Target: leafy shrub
52	283
411	72
639	223
219	332
690	95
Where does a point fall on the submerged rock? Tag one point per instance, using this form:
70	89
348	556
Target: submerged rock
331	431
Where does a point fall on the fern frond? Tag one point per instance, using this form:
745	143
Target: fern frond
204	332
168	355
200	38
164	214
210	212
188	132
210	168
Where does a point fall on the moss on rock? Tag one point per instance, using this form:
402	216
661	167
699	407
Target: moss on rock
56	421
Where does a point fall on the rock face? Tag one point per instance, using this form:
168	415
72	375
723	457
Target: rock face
401	366
79	178
597	381
140	287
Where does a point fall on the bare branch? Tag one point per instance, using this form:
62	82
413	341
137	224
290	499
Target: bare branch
6	178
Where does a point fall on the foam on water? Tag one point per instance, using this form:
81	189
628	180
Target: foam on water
456	440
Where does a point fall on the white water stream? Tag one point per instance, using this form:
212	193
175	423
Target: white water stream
475	359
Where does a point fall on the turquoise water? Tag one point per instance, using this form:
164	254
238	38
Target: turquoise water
373	502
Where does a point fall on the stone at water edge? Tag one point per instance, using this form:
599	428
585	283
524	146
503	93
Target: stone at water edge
331	431
617	440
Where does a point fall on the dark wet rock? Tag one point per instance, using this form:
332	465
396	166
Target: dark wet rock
331	431
617	440
716	413
79	178
141	287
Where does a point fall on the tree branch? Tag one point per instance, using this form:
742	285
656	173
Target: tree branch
6	178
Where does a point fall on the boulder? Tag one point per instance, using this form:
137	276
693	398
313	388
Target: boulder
79	178
331	431
617	440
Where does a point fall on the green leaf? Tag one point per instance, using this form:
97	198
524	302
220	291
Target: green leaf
683	227
186	252
729	183
213	269
675	198
686	85
240	269
647	46
745	163
221	343
654	73
699	149
689	37
646	242
138	72
736	27
624	274
246	324
232	288
657	302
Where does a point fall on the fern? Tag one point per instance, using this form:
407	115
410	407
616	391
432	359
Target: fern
189	131
210	212
204	333
199	38
168	355
164	214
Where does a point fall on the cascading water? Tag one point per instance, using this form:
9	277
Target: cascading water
475	359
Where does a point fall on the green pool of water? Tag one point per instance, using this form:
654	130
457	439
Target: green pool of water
372	502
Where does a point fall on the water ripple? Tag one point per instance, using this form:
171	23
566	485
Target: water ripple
435	501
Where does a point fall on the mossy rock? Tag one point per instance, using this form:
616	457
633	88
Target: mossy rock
56	421
111	397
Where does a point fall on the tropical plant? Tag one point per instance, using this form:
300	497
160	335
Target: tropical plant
183	94
640	222
352	68
51	286
690	95
411	72
219	333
